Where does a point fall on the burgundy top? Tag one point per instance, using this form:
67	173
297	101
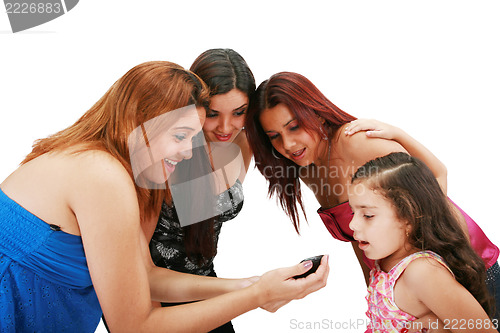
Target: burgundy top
337	219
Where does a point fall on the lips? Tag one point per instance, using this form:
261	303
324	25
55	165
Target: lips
363	245
223	137
169	164
297	155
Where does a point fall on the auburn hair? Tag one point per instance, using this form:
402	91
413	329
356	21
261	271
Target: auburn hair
310	107
419	201
143	93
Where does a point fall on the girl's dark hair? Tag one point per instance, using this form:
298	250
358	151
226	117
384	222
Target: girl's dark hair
222	70
307	104
196	199
418	200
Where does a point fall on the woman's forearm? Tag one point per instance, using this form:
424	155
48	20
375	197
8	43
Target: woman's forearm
377	129
204	315
418	150
189	287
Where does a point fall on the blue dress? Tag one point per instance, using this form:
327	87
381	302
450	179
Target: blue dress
45	284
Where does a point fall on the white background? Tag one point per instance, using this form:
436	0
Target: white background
430	67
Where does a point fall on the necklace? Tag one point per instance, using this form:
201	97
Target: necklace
326	186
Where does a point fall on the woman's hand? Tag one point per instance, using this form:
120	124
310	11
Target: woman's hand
373	129
278	287
378	129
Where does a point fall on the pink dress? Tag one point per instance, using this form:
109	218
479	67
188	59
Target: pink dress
337	219
383	313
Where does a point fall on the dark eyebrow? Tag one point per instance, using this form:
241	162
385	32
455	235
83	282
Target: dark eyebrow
237	109
283	125
289	122
241	107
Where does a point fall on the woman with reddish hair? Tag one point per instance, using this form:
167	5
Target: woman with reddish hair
297	134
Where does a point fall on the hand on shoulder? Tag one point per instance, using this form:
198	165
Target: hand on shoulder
372	128
359	149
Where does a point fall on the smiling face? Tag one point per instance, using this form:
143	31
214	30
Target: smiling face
378	230
169	145
226	116
289	138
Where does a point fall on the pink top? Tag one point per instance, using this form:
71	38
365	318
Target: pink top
337	219
384	314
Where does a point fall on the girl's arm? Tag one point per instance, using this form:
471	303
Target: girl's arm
102	196
437	290
377	129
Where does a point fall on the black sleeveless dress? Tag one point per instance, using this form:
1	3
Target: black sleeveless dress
167	244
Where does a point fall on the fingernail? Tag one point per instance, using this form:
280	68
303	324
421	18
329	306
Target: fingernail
308	264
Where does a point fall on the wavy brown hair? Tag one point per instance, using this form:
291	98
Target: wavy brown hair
419	201
307	104
143	93
222	70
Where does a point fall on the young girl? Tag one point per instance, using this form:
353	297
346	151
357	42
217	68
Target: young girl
424	261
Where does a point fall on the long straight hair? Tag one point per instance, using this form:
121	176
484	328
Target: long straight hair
222	70
419	201
307	104
143	93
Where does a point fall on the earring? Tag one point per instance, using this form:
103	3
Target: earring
324	136
272	152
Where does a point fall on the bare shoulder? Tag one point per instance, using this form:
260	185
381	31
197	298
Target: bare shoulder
426	272
360	149
97	174
98	166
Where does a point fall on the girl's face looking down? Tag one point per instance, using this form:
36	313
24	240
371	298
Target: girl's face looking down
171	145
377	229
226	116
289	138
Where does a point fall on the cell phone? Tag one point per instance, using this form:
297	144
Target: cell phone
316	261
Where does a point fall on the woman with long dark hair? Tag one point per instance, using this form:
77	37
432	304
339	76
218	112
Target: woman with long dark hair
186	237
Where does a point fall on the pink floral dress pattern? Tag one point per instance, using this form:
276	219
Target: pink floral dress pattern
384	314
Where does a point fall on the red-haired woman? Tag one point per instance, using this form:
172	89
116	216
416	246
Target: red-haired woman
296	134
